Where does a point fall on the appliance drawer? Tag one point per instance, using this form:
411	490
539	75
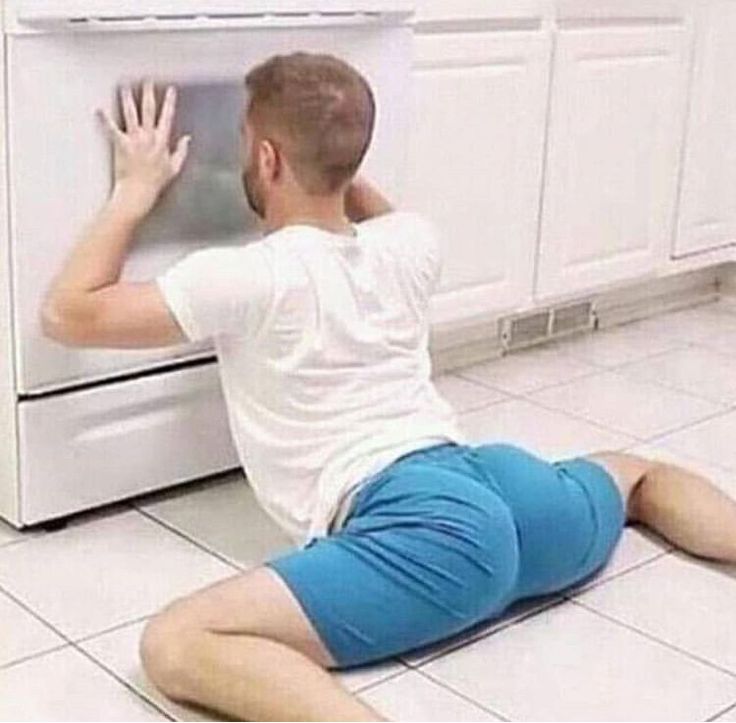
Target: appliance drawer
102	444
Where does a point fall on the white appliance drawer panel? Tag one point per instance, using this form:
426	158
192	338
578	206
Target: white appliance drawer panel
60	161
102	444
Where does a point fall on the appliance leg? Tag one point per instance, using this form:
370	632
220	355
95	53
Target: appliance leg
54	525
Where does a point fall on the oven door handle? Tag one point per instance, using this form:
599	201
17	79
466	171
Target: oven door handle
101	15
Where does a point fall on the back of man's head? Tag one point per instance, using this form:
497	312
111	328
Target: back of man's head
320	110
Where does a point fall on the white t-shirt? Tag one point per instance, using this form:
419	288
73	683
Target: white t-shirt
322	344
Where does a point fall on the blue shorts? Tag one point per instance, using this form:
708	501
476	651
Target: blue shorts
447	537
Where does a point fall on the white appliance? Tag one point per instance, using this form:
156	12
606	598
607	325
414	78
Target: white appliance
84	427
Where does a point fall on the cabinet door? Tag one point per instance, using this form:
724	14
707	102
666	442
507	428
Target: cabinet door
475	162
708	202
613	153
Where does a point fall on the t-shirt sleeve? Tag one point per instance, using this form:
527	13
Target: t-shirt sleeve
218	291
427	250
416	240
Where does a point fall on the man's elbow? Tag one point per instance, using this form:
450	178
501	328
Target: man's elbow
59	324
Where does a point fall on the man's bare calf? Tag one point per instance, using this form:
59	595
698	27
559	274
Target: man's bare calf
685	508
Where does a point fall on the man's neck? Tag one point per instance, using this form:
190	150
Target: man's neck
326	213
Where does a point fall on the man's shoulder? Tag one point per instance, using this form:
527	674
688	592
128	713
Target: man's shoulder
408	220
411	232
223	261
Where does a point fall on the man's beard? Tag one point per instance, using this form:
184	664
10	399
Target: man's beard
252	195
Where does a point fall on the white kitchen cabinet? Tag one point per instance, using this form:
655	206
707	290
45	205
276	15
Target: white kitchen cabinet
618	104
707	217
446	14
475	162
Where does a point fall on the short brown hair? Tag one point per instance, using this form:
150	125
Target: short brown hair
321	109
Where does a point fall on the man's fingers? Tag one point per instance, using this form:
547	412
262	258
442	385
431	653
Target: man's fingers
180	154
130	112
166	119
148	106
113	131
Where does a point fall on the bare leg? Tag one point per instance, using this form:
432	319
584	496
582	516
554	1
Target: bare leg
682	506
245	648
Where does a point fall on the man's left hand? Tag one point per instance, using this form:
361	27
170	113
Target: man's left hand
144	163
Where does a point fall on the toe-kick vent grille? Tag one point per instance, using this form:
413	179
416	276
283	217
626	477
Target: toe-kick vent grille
521	331
574	317
525	330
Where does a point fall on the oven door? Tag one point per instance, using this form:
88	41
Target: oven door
61	68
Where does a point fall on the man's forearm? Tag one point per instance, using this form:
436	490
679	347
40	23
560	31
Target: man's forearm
98	257
363	200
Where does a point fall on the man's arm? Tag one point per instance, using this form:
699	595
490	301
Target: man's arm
86	304
363	201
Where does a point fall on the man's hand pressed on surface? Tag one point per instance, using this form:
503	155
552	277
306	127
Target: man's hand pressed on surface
144	164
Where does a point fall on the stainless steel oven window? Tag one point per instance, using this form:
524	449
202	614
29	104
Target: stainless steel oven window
206	202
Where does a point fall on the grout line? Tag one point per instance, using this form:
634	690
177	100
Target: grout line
653	638
33	656
579	418
670	386
126	684
593	371
492	630
237	567
70	644
648	439
716	716
46	623
462	695
663	435
595	584
403	669
599	368
111	629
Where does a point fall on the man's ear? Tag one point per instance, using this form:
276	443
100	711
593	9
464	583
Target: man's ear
270	159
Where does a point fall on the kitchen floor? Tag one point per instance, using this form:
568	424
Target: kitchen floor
652	637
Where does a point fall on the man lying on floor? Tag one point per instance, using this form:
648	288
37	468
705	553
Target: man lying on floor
409	533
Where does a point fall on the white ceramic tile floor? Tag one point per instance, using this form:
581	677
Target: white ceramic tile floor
669	617
656	598
569	664
65	685
704	324
22	634
728	717
641	409
542	431
528	370
465	395
682	370
711	441
234	526
616	346
129	565
413	697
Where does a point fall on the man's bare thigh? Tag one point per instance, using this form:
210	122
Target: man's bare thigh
627	471
257	602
